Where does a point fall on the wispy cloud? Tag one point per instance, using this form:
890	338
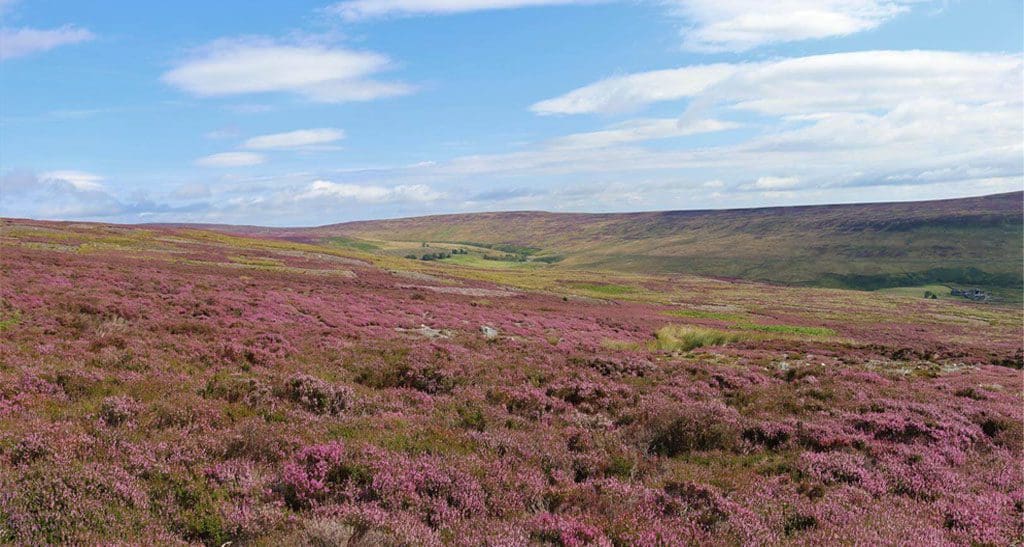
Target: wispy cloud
641	130
302	138
367	193
81	180
860	81
317	72
708	25
230	159
631	91
20	42
354	10
739	25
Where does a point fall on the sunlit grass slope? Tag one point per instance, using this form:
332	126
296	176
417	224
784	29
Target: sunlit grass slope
972	241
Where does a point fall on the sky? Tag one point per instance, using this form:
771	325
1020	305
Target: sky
305	113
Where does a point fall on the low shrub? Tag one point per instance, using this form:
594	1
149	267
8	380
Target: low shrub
426	378
238	388
316	395
680	429
118	410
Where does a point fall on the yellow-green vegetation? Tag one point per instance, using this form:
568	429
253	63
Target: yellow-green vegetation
704	314
255	261
350	243
620	345
940	291
478	261
686	338
605	289
742	322
788	329
972	241
9	319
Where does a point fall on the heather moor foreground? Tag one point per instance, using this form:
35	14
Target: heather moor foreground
177	385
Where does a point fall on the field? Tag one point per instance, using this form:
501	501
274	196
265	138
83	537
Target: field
965	242
176	385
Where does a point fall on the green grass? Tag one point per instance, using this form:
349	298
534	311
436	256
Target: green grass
788	329
605	289
255	261
970	242
686	338
477	261
742	322
940	291
703	314
350	243
9	319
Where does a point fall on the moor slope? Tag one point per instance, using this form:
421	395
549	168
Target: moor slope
176	386
974	241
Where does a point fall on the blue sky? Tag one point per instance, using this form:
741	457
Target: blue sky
305	113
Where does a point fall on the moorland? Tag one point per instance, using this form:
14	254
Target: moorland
648	379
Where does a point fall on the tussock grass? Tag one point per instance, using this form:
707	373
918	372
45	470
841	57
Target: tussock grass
686	338
620	345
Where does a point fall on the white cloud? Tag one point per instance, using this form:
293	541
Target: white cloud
80	180
623	93
317	72
368	193
739	25
19	42
640	130
775	183
353	10
230	159
860	81
301	138
821	125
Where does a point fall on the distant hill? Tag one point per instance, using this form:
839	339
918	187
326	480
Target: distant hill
973	241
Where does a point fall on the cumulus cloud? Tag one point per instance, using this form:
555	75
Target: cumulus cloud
316	72
353	10
739	25
230	159
302	138
20	42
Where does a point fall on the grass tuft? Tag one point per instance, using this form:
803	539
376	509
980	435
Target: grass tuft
686	338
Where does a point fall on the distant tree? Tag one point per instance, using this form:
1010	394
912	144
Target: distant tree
930	295
411	256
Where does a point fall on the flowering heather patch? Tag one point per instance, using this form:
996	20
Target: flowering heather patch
156	388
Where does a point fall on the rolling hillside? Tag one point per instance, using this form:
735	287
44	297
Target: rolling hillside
973	241
177	386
